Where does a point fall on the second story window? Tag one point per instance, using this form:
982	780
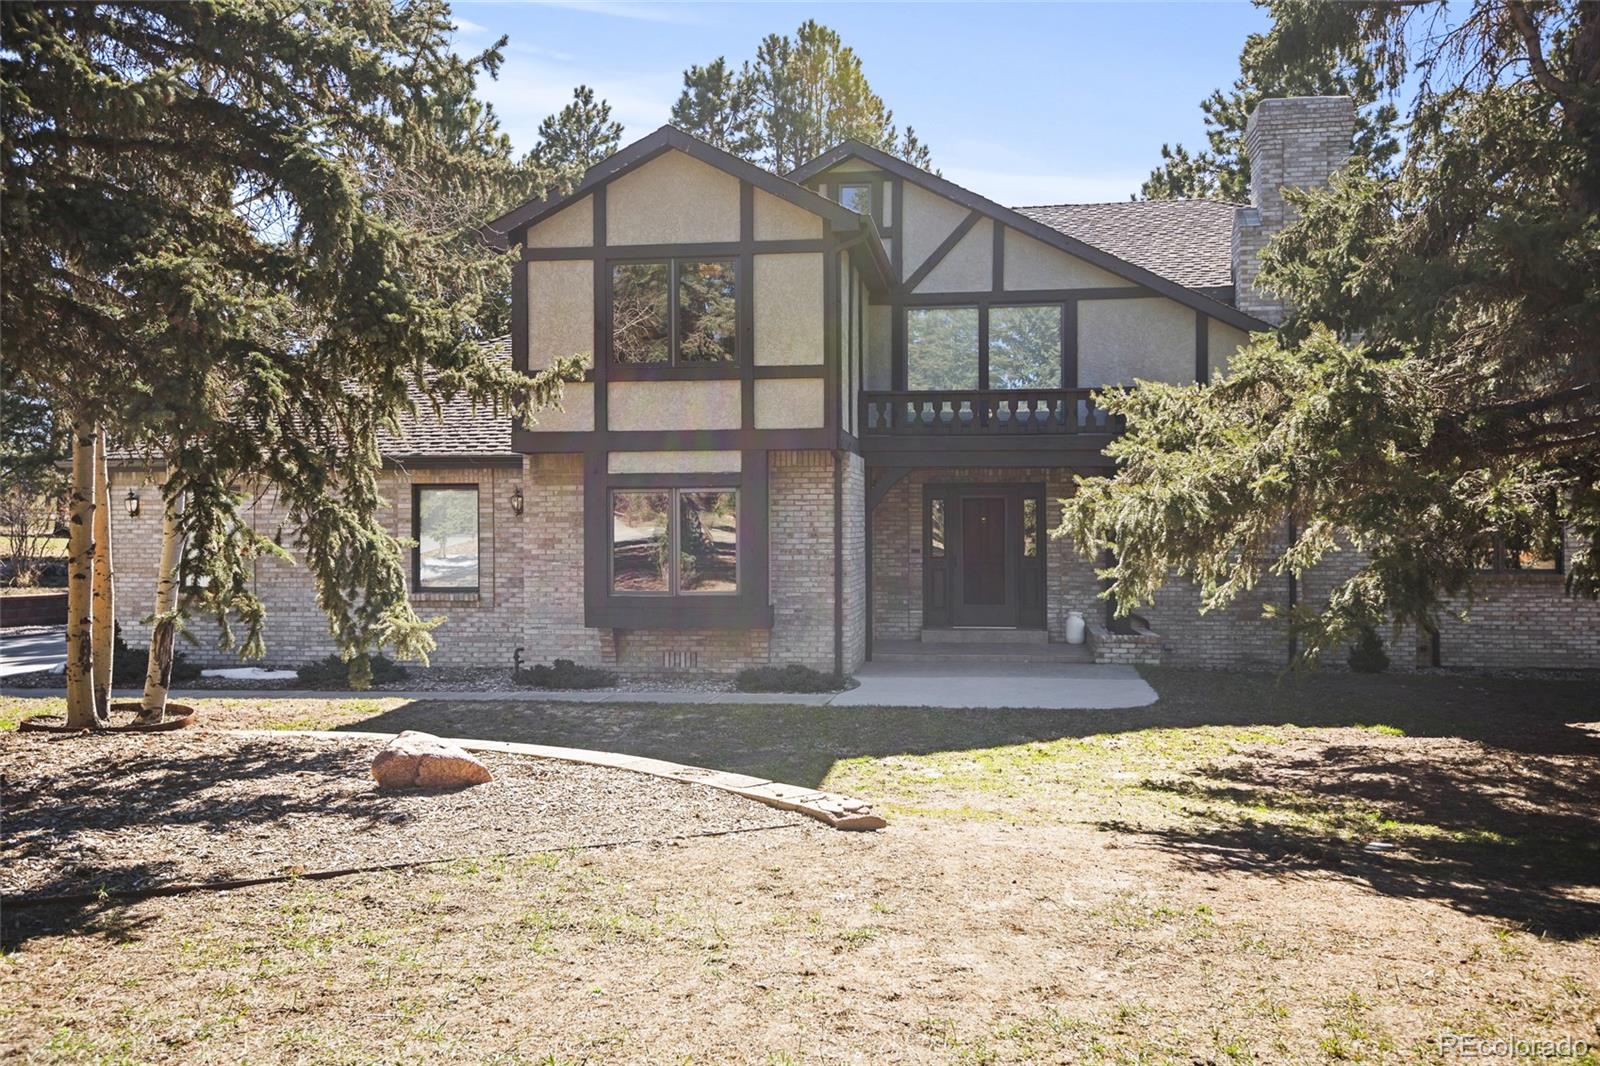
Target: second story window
674	312
857	197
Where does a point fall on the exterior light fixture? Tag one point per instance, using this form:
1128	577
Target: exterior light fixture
131	502
516	501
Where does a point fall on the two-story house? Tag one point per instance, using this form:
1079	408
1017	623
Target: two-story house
830	415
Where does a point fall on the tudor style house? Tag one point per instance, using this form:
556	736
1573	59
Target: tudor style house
829	417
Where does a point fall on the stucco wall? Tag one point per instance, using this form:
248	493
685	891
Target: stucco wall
779	220
570	227
576	414
788	309
1032	264
1121	340
674	405
968	267
560	311
674	198
929	219
726	462
789	403
880	338
1222	340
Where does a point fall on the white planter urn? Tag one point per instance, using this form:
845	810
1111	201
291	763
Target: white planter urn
1074	627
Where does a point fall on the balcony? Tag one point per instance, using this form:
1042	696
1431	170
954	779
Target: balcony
999	426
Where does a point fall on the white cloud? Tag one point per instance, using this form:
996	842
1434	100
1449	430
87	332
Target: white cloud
469	27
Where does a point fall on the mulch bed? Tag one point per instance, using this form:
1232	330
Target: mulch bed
135	812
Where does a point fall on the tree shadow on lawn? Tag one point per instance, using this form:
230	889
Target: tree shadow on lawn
1491	792
1513	837
800	744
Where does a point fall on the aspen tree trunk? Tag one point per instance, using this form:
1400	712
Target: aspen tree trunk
158	676
103	596
81	712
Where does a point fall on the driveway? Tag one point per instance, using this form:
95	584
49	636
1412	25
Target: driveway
25	649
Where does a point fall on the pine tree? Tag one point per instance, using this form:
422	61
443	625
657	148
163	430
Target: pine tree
799	97
1222	171
205	257
575	139
1434	394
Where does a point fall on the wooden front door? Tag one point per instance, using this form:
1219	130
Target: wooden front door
983	556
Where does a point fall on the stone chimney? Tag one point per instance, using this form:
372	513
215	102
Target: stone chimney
1296	141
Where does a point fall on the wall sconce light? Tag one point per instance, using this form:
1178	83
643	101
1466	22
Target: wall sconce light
131	502
516	501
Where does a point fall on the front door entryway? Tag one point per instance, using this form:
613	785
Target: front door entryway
983	556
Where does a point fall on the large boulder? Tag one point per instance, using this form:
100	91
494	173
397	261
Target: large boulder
422	760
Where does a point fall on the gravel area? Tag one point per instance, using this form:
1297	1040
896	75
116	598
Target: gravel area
132	811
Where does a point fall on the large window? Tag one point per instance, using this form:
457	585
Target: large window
674	312
946	349
1025	347
1530	551
674	541
444	521
942	348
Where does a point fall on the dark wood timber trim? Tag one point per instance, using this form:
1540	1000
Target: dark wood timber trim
831	277
601	358
954	238
1069	344
1199	300
708	250
403	463
745	310
728	479
899	227
656	440
1021	296
519	316
1202	348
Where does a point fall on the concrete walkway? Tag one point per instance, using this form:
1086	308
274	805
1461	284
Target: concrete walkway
1046	686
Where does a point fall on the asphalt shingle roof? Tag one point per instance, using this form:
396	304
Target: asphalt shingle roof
458	428
1185	241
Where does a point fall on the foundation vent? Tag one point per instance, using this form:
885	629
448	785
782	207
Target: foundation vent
680	660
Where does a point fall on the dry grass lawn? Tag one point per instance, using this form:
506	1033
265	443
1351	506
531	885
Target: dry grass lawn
1337	869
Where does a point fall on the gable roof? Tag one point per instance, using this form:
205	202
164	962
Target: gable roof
1073	245
664	139
1186	241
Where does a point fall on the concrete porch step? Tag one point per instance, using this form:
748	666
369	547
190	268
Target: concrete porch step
913	651
985	636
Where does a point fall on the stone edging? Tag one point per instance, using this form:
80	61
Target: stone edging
830	808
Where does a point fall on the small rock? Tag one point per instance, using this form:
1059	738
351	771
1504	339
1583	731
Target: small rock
422	760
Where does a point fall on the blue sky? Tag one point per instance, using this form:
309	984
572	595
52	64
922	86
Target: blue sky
1025	103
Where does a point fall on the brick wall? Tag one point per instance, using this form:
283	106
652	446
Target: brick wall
800	542
477	629
1298	142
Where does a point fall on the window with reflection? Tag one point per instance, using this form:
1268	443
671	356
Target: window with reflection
1025	347
941	348
857	197
936	527
707	320
1525	551
1030	527
674	542
674	312
445	527
640	545
708	541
